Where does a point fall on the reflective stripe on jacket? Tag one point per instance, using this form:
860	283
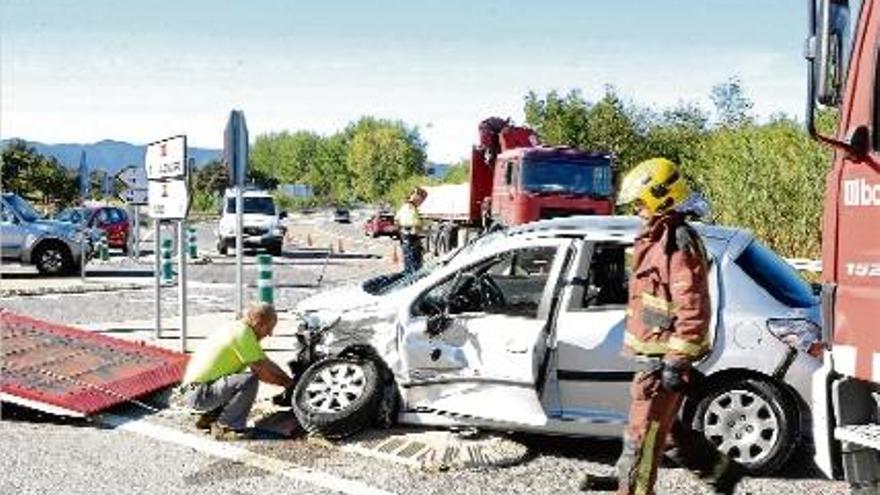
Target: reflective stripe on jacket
669	311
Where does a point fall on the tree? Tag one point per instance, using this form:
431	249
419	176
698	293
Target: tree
732	106
35	176
380	153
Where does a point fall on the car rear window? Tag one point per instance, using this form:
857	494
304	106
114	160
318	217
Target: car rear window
776	276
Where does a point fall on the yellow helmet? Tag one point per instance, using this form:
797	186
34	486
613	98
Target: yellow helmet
657	183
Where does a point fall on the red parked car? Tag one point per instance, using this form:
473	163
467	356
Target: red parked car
110	219
381	223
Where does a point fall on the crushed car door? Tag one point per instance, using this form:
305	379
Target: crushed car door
475	343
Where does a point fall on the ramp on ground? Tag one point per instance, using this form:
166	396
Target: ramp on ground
63	370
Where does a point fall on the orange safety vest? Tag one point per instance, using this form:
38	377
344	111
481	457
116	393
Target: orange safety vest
669	311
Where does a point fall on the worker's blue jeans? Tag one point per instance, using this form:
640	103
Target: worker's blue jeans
233	395
411	246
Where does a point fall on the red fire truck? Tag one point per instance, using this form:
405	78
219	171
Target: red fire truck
844	62
514	180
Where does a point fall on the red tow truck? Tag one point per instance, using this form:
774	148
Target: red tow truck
515	180
844	73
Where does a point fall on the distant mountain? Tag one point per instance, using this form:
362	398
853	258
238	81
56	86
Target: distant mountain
110	155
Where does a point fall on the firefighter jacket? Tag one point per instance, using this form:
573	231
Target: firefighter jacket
668	312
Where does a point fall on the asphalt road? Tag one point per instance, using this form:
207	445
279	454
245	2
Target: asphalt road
138	451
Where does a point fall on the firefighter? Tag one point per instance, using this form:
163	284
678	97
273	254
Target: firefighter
409	221
667	325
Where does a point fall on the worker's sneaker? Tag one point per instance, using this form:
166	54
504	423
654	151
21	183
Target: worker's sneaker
593	482
225	433
206	419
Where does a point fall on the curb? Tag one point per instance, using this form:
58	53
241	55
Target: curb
72	289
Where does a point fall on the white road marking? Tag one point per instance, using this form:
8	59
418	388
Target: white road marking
243	456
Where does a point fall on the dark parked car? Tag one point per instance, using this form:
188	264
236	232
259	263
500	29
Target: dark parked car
111	220
341	215
381	223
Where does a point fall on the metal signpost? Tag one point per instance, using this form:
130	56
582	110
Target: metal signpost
168	199
235	153
135	194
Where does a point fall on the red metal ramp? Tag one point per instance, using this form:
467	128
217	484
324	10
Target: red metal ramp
64	370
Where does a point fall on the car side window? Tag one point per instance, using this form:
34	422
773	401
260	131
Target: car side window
101	217
510	283
608	281
6	216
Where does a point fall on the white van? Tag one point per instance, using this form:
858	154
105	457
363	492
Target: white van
262	223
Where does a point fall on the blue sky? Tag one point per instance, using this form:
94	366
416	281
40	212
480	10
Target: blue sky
80	71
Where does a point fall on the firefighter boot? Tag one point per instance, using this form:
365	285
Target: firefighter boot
593	482
731	473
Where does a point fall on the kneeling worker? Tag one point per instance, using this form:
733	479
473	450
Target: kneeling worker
223	375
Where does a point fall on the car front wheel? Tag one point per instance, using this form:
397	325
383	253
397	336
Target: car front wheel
752	421
338	397
53	258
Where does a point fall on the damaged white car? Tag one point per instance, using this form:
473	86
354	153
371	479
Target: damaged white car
522	331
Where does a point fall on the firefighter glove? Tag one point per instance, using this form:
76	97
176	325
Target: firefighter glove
674	377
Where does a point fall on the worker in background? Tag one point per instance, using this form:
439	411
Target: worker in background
409	221
667	326
223	375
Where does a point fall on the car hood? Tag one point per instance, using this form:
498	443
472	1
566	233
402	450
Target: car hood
251	220
55	227
340	299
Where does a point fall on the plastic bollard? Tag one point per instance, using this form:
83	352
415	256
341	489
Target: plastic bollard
167	267
191	243
264	279
103	250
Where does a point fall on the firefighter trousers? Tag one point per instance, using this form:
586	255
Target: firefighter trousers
653	427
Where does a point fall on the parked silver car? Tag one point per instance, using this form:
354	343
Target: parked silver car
55	248
522	330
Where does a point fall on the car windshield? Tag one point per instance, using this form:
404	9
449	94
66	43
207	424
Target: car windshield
71	215
24	209
776	276
261	205
590	177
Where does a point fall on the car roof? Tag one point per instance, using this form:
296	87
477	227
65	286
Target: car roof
607	228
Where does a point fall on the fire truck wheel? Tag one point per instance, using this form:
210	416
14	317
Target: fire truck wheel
751	420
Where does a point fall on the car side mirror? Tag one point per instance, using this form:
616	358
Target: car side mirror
282	215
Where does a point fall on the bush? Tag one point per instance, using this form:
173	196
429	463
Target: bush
767	178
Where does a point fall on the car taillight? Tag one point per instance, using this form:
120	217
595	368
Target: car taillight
803	335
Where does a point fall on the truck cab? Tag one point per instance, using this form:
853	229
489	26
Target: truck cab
547	182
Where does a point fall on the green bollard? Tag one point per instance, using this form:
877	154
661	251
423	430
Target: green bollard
264	278
167	267
103	250
191	243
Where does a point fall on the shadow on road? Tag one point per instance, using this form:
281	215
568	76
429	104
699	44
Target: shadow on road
100	273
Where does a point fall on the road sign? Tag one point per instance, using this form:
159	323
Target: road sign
134	196
166	158
235	147
133	177
167	199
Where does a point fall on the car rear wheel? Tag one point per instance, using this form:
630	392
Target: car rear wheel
53	258
752	421
338	397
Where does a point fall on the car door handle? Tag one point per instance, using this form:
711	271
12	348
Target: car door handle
516	347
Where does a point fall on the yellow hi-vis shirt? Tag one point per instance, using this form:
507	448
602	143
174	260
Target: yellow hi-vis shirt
224	352
408	218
